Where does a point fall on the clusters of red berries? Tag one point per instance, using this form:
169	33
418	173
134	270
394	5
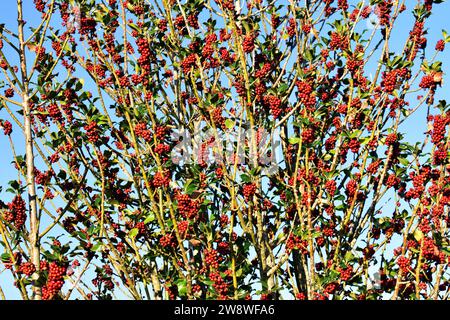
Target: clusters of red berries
9	93
391	139
346	273
428	81
145	55
330	186
351	188
308	135
162	148
161	179
440	45
404	263
417	39
393	181
87	26
219	285
295	243
274	103
418	181
188	62
161	132
291	28
40	5
27	268
143	132
338	41
354	145
249	189
440	155
343	5
264	71
168	240
223	248
183	227
212	258
248	44
92	132
300	296
104	277
305	93
55	280
7	127
391	79
187	207
16	212
55	113
330	143
384	12
218	118
439	128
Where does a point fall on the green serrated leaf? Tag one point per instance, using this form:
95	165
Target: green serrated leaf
133	233
229	123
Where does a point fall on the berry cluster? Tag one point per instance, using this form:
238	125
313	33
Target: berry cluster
16	212
351	188
212	258
292	26
27	268
183	227
92	132
354	145
295	243
338	41
404	263
439	128
440	45
39	5
391	139
7	127
219	285
161	179
343	5
305	93
274	103
383	11
248	44
162	148
168	240
330	186
308	135
145	55
188	63
428	82
141	131
346	273
440	156
9	93
249	189
187	207
55	280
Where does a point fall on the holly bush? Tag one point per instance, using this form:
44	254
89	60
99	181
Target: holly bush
203	149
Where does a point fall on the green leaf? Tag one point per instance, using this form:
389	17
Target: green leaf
5	257
133	233
294	140
149	218
181	285
418	235
97	246
245	178
229	123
